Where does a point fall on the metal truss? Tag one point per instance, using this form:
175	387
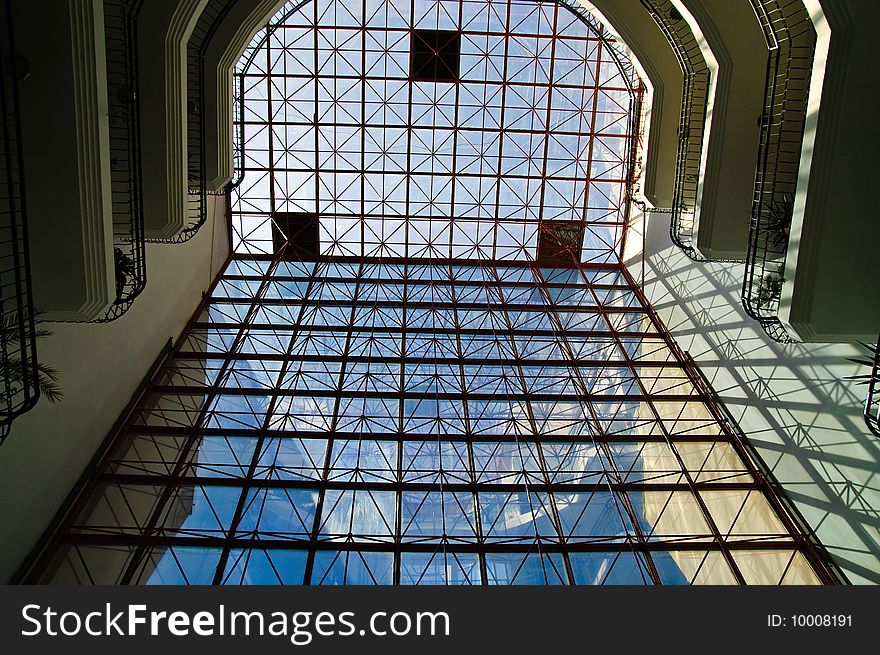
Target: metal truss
19	381
791	41
423	403
692	122
371	422
537	130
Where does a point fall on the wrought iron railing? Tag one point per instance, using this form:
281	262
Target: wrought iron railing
197	203
872	403
692	122
237	129
791	41
129	248
19	374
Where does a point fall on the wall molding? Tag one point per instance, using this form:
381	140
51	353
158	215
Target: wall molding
720	63
183	21
90	108
219	163
834	24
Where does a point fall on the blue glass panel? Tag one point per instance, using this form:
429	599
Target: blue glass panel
182	565
439	568
265	567
352	568
525	569
623	568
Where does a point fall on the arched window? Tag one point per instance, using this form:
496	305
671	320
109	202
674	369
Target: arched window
426	363
451	130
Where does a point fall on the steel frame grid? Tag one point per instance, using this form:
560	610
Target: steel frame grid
188	478
413	227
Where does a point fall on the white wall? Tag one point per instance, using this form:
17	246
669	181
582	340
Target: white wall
100	367
835	231
739	53
792	401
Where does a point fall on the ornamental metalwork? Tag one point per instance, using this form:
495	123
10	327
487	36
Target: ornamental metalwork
791	42
19	373
129	245
209	19
691	126
872	401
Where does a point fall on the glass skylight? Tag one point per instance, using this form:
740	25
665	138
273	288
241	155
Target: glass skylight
335	122
409	421
362	423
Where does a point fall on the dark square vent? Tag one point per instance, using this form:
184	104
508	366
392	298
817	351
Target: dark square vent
299	231
560	242
435	56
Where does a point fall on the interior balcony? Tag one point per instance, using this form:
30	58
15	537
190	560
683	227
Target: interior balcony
831	255
732	44
126	192
204	31
772	181
829	273
65	130
19	372
164	31
79	121
233	31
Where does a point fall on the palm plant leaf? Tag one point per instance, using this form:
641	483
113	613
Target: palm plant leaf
13	369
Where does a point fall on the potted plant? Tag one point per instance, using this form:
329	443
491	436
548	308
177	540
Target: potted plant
777	220
770	288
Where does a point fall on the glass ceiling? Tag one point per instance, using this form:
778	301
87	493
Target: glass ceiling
429	422
532	135
346	422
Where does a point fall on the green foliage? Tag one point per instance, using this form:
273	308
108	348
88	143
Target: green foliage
770	288
776	217
12	368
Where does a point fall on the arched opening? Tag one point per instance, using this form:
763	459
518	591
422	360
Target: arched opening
399	379
522	152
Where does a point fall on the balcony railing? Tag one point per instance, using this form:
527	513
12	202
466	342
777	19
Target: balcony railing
692	122
197	204
237	129
872	403
129	248
791	41
19	386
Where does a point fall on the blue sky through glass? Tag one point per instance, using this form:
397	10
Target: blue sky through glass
535	130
